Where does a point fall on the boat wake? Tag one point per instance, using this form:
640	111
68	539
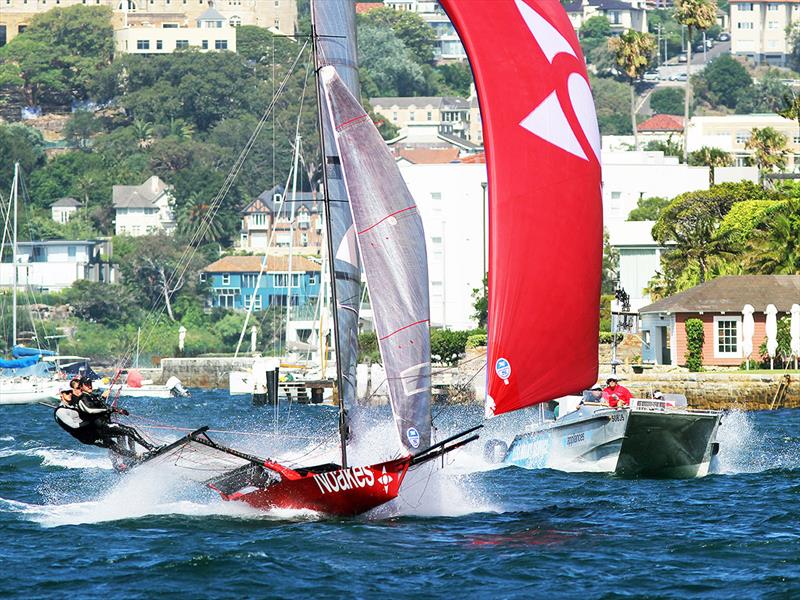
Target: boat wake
746	449
60	458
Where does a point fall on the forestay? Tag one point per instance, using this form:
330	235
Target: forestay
392	243
545	214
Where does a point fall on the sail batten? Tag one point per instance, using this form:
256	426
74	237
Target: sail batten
545	212
391	240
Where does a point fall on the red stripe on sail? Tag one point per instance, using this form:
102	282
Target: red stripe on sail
545	211
344	125
402	328
397	212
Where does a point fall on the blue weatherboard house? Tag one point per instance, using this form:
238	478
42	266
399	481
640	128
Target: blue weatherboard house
233	282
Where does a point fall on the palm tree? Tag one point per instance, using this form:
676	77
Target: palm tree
143	131
633	52
775	247
769	148
194	221
711	158
180	129
696	15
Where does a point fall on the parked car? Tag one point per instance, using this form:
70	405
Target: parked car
652	76
681	77
724	37
682	58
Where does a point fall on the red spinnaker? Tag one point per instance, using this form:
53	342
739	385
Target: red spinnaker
545	212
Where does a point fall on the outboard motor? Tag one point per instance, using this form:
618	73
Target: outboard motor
176	388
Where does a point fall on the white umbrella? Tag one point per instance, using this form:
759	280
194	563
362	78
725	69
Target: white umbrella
772	331
748	329
253	339
794	331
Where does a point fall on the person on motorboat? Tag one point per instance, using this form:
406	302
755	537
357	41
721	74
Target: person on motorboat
87	418
616	395
596	394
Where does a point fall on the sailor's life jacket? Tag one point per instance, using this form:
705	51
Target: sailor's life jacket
69	418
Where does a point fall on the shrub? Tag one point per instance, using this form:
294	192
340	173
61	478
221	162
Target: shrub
477	340
448	346
368	351
607	337
695	337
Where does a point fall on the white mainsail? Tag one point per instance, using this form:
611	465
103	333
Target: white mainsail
392	244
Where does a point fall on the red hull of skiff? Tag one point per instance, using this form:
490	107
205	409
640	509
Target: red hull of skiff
341	492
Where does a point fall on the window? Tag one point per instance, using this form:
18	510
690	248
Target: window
169	26
235	21
742	137
258	219
72	251
436	195
220	44
249	280
226	279
312	279
412	115
281	280
772	25
430	116
745	6
394	116
726	337
256	301
304	239
277	23
304	220
202	277
143	44
744	25
181	44
159	44
772	6
204	45
436	240
615	17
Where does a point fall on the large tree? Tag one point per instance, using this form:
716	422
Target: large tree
633	53
411	29
722	81
611	101
697	15
775	247
667	101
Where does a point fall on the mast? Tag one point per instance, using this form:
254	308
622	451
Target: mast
15	194
292	212
331	254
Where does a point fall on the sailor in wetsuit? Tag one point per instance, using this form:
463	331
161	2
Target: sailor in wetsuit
87	418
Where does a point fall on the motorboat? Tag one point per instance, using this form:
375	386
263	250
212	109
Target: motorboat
651	437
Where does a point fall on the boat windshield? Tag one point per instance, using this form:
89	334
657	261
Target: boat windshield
588	396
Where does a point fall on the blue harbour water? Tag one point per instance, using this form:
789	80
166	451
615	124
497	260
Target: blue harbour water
71	526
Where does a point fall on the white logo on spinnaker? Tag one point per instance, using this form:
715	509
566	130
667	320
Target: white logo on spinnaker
413	437
548	120
503	369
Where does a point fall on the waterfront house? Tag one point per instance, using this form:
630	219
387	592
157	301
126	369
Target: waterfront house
630	14
52	265
660	128
63	209
259	217
143	209
233	282
718	303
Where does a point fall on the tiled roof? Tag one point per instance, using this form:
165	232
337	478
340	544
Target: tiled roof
479	158
138	196
252	264
731	293
428	156
365	7
661	123
66	202
312	201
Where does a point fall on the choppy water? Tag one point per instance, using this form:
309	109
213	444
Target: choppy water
70	525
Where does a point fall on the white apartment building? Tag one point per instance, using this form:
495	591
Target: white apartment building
143	209
758	29
276	15
448	45
212	33
53	265
630	176
449	114
623	15
731	132
451	199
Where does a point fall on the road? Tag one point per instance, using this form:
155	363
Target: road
699	60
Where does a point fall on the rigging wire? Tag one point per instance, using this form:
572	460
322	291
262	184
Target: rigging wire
202	230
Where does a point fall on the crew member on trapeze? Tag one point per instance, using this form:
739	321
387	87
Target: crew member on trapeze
87	418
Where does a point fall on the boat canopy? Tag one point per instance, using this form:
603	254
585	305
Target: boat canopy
24	351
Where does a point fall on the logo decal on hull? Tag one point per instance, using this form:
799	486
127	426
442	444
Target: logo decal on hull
344	480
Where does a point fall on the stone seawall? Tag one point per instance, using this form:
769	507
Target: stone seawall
716	390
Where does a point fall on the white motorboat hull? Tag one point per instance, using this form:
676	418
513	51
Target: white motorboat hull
627	442
29	392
